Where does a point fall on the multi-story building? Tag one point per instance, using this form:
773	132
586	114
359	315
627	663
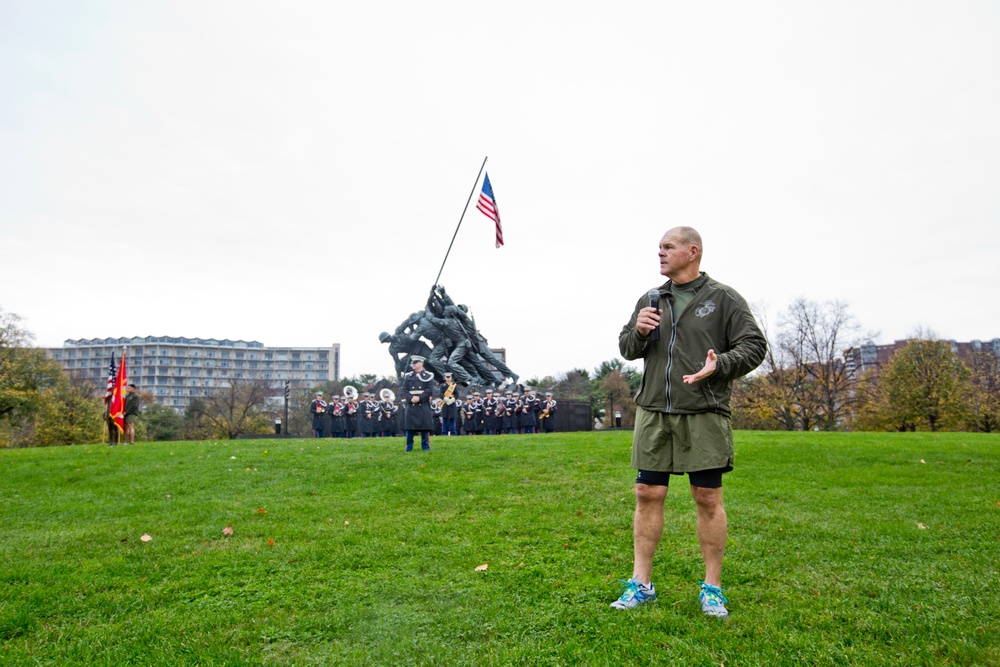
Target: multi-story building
871	356
175	370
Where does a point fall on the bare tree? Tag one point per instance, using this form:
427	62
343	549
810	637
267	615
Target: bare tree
239	407
813	338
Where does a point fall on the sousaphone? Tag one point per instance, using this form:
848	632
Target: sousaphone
350	393
386	395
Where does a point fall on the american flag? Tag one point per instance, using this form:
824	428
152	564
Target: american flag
112	372
488	205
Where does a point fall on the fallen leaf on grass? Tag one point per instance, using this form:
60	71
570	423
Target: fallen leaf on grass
921	526
270	542
482	568
261	511
579	512
227	531
347	522
146	537
124	540
922	461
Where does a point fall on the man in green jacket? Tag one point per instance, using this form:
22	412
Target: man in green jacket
694	344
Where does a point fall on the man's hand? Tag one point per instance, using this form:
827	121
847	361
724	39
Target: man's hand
647	320
709	368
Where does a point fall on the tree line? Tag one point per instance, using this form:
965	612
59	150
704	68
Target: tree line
805	383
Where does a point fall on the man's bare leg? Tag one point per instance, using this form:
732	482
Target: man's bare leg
647	528
712	531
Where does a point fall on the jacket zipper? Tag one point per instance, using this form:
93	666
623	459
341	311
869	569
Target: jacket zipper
670	350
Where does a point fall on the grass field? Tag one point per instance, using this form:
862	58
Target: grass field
845	549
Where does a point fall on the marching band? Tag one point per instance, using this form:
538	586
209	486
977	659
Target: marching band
367	415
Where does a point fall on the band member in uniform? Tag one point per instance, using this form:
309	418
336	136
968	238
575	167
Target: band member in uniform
436	404
509	412
490	424
529	409
351	409
369	413
546	417
386	416
459	411
475	409
338	423
449	411
416	392
318	410
501	413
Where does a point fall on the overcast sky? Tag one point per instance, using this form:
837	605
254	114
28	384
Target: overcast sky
293	172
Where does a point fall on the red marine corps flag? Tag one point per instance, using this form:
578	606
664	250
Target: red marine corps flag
116	409
488	206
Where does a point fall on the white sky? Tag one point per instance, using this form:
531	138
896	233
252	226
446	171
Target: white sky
292	172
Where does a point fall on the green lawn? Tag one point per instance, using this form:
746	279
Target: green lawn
845	549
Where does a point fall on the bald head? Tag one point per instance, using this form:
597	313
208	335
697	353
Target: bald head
680	254
687	236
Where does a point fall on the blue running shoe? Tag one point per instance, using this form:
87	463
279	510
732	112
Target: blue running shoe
713	602
634	593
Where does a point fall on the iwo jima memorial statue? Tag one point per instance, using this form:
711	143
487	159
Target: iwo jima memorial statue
444	333
446	336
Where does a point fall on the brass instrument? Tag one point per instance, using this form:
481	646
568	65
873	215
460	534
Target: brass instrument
350	393
449	393
387	395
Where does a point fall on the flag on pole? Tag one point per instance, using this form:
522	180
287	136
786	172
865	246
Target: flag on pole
112	372
117	408
488	205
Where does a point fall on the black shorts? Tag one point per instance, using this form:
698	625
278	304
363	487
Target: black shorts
703	479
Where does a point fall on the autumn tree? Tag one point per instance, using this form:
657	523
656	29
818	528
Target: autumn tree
71	412
925	383
24	372
28	380
161	422
617	395
984	396
772	397
871	407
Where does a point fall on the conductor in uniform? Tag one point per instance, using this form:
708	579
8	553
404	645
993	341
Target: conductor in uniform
415	393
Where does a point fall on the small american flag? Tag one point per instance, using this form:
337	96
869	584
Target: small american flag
112	372
488	205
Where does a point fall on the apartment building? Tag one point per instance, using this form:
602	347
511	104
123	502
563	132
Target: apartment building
176	370
871	356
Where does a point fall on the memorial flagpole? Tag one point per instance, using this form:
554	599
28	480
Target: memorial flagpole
460	220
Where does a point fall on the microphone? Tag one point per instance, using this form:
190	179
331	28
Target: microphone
654	303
